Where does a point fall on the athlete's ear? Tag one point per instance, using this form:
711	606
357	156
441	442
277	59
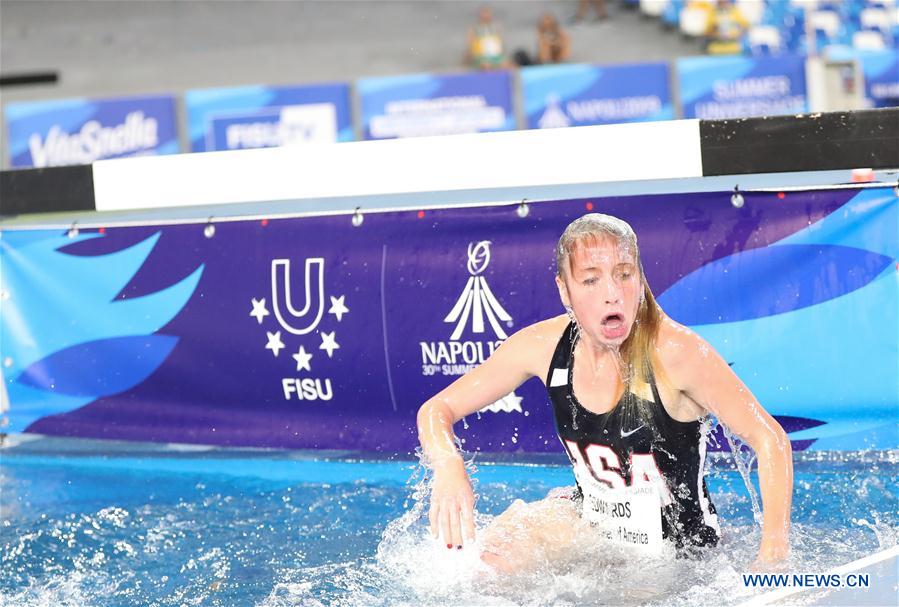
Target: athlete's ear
563	291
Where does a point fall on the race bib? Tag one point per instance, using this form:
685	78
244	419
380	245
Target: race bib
630	517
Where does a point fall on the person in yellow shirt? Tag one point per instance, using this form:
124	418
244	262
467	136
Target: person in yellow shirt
726	28
485	43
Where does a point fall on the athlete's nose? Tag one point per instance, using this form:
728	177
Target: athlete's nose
612	292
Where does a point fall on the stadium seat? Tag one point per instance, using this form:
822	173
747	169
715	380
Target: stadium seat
671	16
694	21
868	40
804	4
827	22
653	8
764	39
875	19
752	10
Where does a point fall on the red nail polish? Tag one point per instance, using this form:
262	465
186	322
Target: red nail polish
449	545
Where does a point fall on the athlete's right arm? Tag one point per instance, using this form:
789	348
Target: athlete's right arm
452	499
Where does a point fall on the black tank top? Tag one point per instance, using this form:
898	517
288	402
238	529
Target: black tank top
640	431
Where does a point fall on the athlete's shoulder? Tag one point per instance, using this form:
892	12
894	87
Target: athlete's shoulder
545	331
680	349
675	341
534	344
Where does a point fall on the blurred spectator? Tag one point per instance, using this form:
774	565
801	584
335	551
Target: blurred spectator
553	43
485	42
726	28
599	7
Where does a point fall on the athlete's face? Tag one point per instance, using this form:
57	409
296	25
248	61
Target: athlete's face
602	285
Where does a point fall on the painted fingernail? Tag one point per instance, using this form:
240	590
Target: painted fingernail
458	547
449	545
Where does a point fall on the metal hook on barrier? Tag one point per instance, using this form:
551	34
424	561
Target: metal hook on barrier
209	230
73	230
523	208
358	217
736	198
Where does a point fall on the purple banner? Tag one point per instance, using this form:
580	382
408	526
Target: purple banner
318	333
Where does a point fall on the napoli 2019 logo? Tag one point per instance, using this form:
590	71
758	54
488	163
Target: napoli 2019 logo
294	321
475	305
477	300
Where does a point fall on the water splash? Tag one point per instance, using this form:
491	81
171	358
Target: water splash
365	542
744	457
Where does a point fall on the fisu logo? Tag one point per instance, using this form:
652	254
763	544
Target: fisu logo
301	320
282	302
476	308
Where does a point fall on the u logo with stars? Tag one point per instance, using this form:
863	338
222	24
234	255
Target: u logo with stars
297	319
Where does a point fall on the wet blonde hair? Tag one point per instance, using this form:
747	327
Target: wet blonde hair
636	351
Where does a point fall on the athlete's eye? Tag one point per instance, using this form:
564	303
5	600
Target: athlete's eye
590	281
625	274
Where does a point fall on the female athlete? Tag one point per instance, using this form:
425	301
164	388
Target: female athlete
631	391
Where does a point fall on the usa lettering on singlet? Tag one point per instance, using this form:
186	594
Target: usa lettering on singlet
639	472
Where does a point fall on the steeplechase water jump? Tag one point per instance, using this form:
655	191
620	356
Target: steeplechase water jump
636	398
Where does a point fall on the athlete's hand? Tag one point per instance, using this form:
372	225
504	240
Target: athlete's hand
772	556
452	503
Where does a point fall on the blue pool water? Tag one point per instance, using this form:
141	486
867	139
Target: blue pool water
100	524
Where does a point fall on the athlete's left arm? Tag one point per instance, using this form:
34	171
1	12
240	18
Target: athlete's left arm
710	383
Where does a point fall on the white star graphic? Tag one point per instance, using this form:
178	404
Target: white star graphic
328	343
302	357
274	342
259	310
338	308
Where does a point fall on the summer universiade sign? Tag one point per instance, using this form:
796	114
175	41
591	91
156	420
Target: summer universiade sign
735	87
319	338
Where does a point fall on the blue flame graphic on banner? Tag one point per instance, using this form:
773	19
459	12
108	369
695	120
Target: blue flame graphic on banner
89	341
841	268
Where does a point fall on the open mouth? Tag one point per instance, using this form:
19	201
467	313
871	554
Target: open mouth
613	321
613	326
